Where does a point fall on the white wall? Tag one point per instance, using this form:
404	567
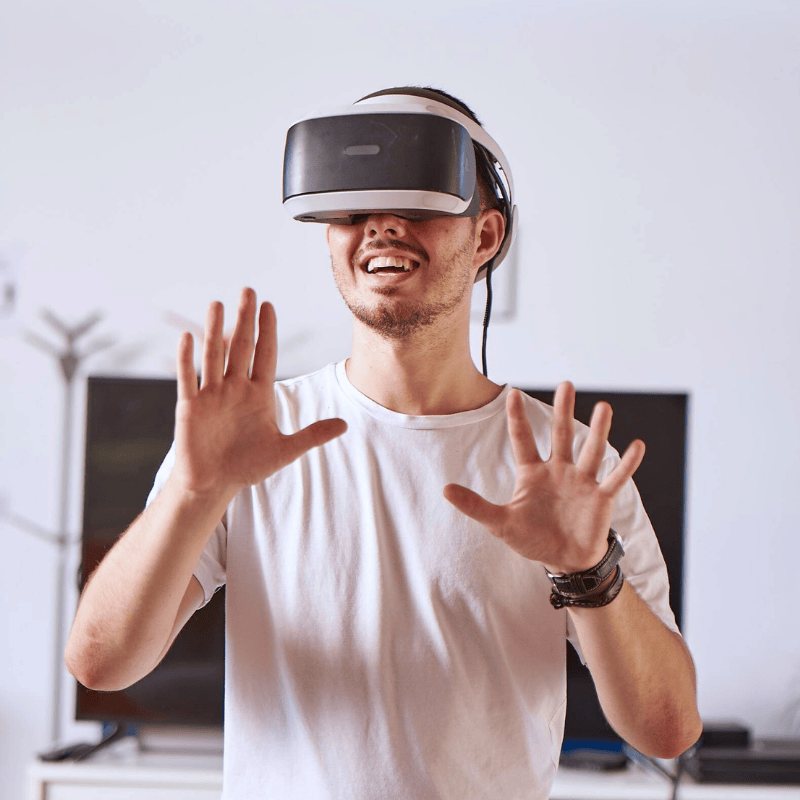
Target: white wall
655	151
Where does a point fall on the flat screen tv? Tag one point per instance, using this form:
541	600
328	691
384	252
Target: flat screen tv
129	430
660	420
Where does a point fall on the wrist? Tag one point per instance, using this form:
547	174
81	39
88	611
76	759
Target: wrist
186	499
594	587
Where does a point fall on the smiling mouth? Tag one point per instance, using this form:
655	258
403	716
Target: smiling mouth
388	265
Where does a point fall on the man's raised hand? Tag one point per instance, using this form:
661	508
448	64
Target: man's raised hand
559	514
226	436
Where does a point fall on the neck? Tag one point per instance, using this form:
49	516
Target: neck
418	375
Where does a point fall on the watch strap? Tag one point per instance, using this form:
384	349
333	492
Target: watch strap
597	600
580	586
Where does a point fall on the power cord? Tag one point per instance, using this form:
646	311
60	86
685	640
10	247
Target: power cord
655	766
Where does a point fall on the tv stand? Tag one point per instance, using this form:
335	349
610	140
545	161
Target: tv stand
83	750
123	772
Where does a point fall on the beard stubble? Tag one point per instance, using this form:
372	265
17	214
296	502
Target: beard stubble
402	319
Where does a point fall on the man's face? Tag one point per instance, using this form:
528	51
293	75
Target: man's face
398	275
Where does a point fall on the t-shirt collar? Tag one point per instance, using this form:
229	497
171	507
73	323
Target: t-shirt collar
390	417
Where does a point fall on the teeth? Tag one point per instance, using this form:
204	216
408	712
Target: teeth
390	261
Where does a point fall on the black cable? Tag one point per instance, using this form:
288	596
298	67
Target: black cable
502	194
486	317
653	765
679	769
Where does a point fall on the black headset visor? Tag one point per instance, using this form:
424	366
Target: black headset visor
339	168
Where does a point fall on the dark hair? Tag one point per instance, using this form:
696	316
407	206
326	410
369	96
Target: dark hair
489	197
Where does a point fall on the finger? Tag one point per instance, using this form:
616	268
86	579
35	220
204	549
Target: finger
594	448
187	375
629	463
266	353
519	429
473	505
314	435
563	431
213	346
241	347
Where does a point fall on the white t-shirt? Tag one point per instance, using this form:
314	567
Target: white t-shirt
380	644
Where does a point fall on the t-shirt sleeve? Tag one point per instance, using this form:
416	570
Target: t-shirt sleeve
643	564
210	569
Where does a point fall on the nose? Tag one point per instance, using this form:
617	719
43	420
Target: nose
389	224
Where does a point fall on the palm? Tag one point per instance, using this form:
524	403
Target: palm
558	514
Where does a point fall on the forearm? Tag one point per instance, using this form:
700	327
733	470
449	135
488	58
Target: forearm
128	609
643	673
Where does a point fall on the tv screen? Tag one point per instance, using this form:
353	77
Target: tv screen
660	420
129	430
130	423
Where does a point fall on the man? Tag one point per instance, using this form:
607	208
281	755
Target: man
382	525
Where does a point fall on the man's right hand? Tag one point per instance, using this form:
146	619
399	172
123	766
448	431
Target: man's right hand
226	436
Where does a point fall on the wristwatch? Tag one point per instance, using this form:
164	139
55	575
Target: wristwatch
583	588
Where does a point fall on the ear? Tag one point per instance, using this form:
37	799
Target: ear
489	231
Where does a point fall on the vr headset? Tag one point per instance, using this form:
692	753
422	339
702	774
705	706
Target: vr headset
406	154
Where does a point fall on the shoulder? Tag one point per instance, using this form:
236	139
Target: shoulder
313	387
315	395
537	411
540	417
298	384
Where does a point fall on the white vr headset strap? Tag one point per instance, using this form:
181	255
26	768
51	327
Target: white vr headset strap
412	104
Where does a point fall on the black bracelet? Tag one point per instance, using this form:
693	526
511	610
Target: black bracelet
597	599
583	589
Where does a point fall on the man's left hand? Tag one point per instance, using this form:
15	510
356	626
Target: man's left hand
559	513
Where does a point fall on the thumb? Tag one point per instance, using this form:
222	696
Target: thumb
473	505
314	435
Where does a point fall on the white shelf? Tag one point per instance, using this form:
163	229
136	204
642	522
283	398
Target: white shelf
124	773
636	784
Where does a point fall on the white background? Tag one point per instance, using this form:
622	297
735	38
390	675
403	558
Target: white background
655	152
